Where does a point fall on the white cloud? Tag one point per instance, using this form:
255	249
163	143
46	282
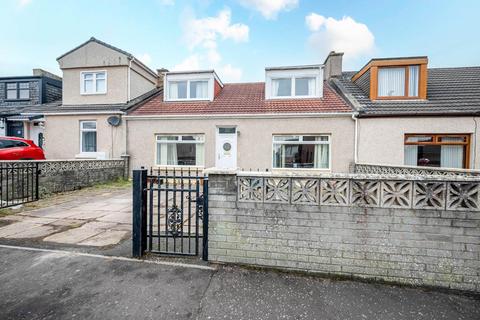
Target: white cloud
167	2
145	58
205	31
202	36
190	63
24	3
344	35
270	8
229	73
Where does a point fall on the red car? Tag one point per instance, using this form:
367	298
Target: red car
12	148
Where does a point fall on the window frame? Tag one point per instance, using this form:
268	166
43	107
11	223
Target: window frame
437	142
293	79
300	141
188	98
94	80
17	91
181	141
82	130
407	84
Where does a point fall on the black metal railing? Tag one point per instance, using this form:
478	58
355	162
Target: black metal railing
170	212
18	183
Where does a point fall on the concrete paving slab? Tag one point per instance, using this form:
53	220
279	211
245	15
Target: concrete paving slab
106	238
35	232
16	227
119	217
86	214
73	236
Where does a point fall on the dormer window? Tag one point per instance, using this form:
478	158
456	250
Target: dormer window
18	91
294	82
190	86
394	78
398	81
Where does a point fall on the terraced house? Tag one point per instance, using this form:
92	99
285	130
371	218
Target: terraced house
100	82
307	118
410	115
292	121
23	100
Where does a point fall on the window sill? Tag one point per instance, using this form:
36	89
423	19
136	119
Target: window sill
293	97
186	100
17	100
313	170
92	94
91	155
159	166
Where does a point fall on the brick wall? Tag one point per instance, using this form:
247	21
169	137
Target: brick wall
430	237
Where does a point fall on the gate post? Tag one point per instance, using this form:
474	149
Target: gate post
205	220
139	211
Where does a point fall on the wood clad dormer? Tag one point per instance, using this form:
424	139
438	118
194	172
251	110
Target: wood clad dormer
394	78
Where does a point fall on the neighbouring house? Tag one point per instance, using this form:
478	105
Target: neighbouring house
22	101
100	82
409	114
294	121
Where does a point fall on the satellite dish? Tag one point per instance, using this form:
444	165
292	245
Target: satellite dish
114	121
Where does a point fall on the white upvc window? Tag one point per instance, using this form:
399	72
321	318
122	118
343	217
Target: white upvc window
188	89
93	82
301	152
302	86
88	136
294	82
180	150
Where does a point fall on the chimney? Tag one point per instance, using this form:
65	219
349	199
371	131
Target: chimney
43	73
333	65
161	75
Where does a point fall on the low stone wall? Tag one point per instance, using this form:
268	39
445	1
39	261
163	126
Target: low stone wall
411	230
67	175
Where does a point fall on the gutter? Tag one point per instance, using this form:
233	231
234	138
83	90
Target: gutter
240	116
78	113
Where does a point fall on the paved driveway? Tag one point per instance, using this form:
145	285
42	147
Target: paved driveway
95	217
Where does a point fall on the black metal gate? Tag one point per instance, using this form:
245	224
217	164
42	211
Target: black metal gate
18	183
170	212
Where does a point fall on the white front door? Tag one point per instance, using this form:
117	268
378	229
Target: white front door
226	148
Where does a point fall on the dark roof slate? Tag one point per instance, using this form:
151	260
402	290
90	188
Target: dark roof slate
57	107
450	91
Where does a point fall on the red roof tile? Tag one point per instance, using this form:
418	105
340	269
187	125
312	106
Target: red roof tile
244	98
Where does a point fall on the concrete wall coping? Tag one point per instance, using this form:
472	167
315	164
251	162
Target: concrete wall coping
353	176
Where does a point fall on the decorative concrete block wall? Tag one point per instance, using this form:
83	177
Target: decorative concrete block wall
67	175
413	230
61	175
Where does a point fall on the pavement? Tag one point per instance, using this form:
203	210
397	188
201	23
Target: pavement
93	218
45	284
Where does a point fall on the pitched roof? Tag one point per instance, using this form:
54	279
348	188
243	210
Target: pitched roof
93	39
450	91
57	107
128	54
244	98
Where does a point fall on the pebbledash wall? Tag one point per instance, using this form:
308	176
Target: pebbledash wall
418	230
